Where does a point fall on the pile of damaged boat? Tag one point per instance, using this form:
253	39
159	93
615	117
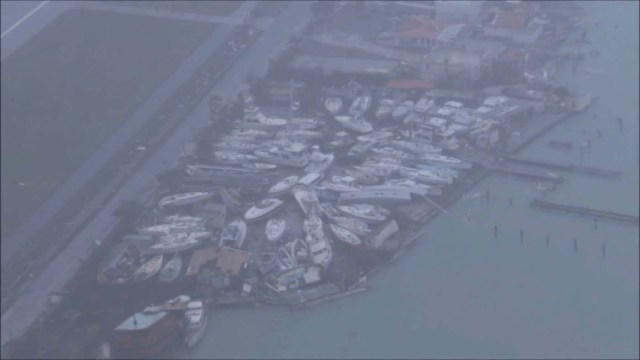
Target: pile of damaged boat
285	209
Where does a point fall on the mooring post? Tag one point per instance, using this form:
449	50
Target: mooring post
495	231
604	250
547	241
620	123
521	236
575	245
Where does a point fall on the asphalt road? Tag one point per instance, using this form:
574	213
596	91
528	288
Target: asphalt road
18	318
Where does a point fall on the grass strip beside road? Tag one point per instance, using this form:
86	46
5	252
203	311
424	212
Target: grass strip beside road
65	91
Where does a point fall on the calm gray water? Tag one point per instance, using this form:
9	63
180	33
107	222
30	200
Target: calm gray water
462	293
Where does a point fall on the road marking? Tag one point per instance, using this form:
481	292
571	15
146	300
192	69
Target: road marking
24	18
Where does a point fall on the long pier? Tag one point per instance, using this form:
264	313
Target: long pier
524	173
589	170
336	296
585	211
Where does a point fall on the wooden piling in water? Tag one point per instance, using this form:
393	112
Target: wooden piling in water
620	126
547	241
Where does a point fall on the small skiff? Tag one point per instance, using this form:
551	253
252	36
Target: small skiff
345	235
171	270
233	235
147	270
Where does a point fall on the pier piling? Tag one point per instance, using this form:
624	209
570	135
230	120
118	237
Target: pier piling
620	123
575	245
547	241
521	236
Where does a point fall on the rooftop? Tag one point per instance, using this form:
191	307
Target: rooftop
454	57
513	55
487	49
344	65
410	84
422	28
510	20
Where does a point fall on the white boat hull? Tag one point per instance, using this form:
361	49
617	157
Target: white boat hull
256	213
184	199
283	185
360	212
360	126
233	235
345	235
274	229
333	105
148	269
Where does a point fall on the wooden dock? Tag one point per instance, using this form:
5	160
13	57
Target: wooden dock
524	173
589	170
335	296
585	211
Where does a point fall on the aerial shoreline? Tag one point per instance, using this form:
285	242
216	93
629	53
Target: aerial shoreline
483	163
